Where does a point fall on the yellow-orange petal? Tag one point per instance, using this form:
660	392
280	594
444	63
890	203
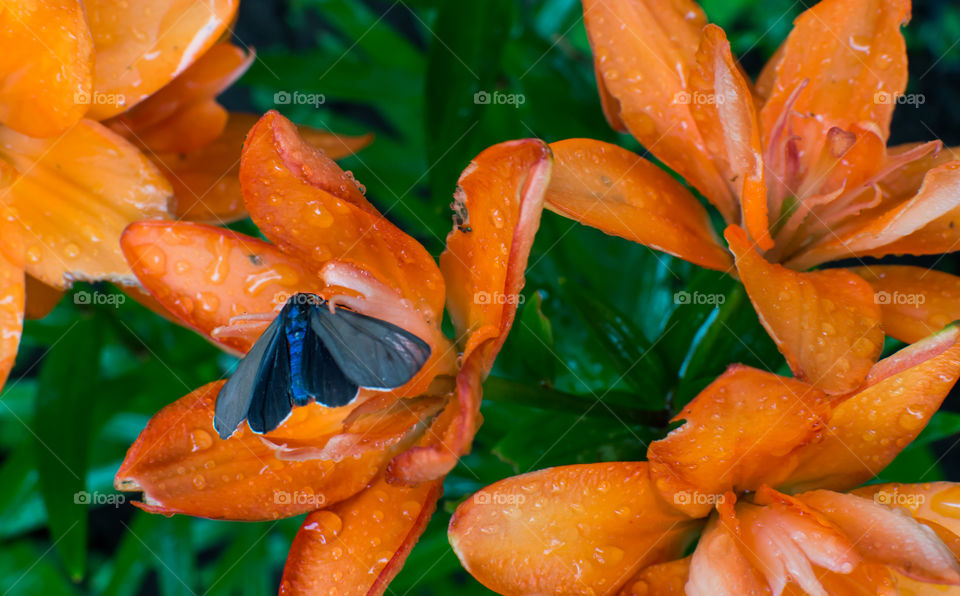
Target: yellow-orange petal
888	536
74	196
867	430
498	203
915	302
206	275
12	289
46	67
182	466
825	323
309	207
740	432
645	52
662	579
582	529
934	504
358	546
617	191
719	565
853	57
40	299
721	101
142	46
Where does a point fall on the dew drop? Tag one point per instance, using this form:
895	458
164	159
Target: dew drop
201	440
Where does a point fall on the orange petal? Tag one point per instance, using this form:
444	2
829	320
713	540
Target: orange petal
722	105
720	567
498	202
645	53
903	228
40	299
206	181
869	429
609	103
142	47
740	432
662	579
188	129
46	66
11	291
853	57
206	275
888	536
579	529
934	504
361	542
182	466
309	207
915	301
825	323
75	195
619	192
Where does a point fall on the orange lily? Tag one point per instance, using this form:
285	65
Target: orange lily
370	472
759	470
796	164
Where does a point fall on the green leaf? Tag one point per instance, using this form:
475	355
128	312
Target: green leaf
533	336
65	395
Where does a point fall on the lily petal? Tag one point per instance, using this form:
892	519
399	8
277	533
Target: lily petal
888	536
921	225
915	301
645	52
499	201
867	430
361	542
719	565
934	504
825	323
74	196
722	105
567	530
12	286
46	69
206	275
297	195
662	579
617	191
39	298
740	432
141	46
853	57
182	466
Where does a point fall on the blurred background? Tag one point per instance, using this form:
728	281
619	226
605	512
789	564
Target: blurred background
599	351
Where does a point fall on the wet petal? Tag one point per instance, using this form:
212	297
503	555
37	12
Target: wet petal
869	429
934	504
182	466
915	301
662	579
361	543
142	46
298	196
722	105
645	52
607	187
852	55
574	529
206	275
75	195
920	225
11	291
741	432
719	565
46	66
498	201
888	536
825	323
40	299
206	181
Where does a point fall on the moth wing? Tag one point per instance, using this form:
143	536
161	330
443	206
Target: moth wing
271	402
369	352
335	389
